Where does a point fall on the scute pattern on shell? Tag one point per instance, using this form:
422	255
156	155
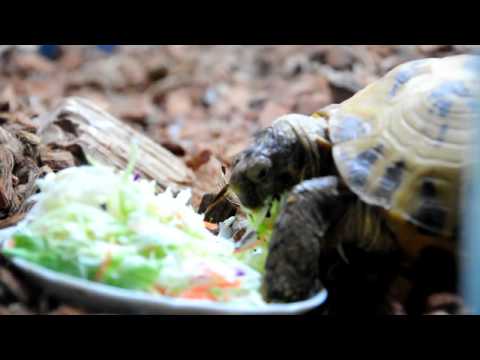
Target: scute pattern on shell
401	143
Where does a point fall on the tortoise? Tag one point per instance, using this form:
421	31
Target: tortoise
381	171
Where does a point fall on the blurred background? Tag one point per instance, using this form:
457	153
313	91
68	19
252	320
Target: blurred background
201	102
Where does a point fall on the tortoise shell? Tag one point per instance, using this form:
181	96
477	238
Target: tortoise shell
401	143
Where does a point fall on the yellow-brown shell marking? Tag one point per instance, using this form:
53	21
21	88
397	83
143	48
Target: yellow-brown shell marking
401	142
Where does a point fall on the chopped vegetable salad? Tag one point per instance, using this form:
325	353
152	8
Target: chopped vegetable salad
108	226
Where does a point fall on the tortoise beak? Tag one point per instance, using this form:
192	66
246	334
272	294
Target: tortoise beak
250	201
247	195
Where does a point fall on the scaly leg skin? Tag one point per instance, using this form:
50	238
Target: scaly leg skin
292	268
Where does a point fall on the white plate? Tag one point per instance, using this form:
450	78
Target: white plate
111	299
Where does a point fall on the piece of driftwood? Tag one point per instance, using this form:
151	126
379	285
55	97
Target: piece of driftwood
78	124
67	136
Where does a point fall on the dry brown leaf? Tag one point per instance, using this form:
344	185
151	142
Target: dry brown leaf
209	179
198	160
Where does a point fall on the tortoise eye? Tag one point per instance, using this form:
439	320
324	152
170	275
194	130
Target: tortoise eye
259	170
262	174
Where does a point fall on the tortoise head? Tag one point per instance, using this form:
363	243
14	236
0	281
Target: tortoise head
281	156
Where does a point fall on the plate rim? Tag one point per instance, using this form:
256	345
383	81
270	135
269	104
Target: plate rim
168	304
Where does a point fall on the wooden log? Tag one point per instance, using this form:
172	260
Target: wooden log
77	122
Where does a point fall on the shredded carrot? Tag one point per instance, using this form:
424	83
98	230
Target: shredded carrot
210	226
103	267
200	292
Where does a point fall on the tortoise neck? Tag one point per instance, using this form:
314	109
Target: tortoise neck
317	159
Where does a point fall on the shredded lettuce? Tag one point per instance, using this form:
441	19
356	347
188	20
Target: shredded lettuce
104	225
261	222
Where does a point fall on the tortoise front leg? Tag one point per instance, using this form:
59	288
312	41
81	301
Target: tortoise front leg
292	267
